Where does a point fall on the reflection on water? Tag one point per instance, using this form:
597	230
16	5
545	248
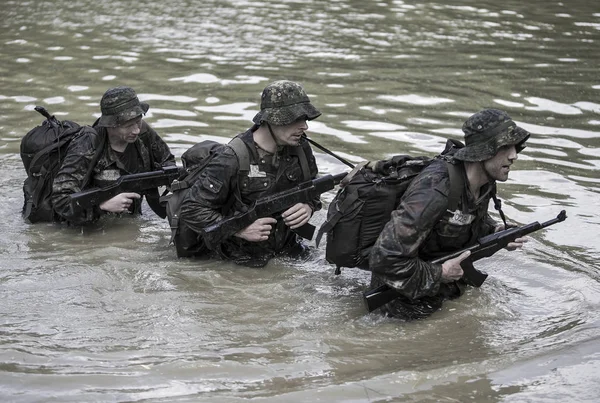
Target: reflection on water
109	314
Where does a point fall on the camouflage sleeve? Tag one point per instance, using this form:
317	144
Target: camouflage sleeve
395	255
211	192
70	177
315	204
161	153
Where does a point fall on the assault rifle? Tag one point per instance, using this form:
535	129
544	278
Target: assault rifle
485	247
138	183
270	206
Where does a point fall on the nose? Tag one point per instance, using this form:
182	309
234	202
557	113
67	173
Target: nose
136	129
512	153
303	125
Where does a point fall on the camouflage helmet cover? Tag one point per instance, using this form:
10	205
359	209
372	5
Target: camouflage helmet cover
283	102
119	105
486	132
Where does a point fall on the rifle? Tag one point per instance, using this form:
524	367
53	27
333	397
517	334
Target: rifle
269	206
126	183
484	247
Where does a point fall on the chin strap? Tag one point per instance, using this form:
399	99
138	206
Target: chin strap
272	135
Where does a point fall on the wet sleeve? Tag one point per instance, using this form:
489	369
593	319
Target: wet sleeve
211	192
69	180
395	255
161	153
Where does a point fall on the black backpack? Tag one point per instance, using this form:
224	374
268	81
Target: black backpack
194	160
360	210
43	149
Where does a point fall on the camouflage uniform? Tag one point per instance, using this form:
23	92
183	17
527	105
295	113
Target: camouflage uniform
152	153
422	228
283	102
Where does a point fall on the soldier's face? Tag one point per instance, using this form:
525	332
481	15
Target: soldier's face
290	135
498	166
126	132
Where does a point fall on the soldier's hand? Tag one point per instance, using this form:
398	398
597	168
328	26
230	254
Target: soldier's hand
258	231
120	203
516	244
297	215
451	270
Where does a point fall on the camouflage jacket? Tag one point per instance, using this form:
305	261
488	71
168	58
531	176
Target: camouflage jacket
152	152
422	229
220	185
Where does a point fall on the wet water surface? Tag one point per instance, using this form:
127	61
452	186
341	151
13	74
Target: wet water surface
108	313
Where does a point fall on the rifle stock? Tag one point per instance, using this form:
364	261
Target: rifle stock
269	206
485	247
126	183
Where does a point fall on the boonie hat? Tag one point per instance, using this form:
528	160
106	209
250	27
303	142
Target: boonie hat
119	105
283	102
487	131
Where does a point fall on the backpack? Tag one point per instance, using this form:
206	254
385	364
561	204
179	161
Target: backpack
43	149
360	210
194	160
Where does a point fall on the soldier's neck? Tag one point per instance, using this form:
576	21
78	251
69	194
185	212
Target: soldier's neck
476	176
264	139
116	143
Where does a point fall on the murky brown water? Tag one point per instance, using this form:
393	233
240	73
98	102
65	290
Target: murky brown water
110	314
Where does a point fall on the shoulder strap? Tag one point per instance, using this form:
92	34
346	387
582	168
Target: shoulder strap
146	140
457	184
299	151
97	153
242	152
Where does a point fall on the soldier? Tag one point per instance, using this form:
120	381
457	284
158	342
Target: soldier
280	158
122	143
422	228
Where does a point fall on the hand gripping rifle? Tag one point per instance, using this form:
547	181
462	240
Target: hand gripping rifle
270	206
138	183
485	247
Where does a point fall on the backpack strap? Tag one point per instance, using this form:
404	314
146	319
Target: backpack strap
299	152
243	154
97	153
457	184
